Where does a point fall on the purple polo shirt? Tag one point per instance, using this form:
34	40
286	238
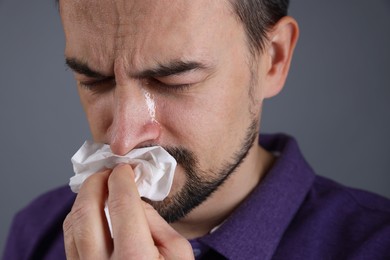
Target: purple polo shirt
292	214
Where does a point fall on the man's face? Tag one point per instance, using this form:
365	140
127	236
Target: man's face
172	73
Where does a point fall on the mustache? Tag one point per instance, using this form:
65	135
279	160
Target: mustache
185	158
182	156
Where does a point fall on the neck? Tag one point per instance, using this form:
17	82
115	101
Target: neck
228	197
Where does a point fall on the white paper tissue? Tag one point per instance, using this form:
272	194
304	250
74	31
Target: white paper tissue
153	167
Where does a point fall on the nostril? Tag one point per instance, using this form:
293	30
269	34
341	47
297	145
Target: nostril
122	142
121	139
119	149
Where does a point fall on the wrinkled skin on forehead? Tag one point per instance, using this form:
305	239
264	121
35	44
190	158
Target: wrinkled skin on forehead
145	32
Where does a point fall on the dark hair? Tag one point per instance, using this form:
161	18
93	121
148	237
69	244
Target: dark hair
258	16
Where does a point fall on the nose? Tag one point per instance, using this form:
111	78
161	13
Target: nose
133	124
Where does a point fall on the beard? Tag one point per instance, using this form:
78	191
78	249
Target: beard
200	184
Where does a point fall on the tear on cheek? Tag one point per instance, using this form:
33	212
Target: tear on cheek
151	106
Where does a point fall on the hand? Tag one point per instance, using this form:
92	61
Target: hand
139	232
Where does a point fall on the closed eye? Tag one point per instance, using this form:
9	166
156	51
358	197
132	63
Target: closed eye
98	86
162	86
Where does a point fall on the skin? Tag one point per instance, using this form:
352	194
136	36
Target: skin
209	116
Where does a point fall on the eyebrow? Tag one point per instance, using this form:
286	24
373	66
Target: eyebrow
174	67
83	68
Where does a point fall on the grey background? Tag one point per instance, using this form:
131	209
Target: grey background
336	100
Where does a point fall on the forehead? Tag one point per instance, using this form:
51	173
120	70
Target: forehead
144	30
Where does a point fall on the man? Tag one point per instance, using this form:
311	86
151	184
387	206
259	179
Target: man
207	66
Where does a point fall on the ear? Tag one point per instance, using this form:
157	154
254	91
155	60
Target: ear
282	39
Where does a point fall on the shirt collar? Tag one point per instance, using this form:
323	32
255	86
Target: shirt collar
256	227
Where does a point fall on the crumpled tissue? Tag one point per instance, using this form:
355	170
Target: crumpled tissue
153	168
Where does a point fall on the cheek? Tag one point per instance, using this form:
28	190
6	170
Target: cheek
209	122
177	117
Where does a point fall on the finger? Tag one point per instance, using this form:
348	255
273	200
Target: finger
87	220
168	241
70	246
130	228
